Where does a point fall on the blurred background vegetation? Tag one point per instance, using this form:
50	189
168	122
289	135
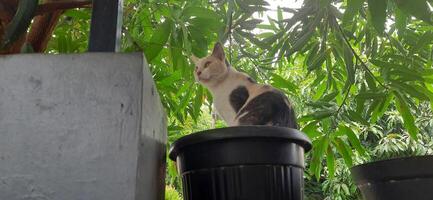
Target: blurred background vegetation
359	72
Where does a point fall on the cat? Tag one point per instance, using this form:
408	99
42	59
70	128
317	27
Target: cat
238	99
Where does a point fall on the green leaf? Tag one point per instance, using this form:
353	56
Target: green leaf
425	39
199	12
198	101
348	59
318	115
409	89
250	24
252	38
360	102
370	95
329	97
199	44
353	7
319	60
206	26
408	119
381	108
377	10
344	151
311	130
312	55
158	40
350	70
370	81
78	14
354	140
62	44
425	91
301	42
345	189
417	8
330	162
400	20
318	154
320	104
279	14
354	116
320	91
171	79
281	82
184	100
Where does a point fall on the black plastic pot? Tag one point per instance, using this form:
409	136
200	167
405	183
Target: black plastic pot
408	178
242	163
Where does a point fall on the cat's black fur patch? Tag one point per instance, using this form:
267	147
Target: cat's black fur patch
268	108
238	97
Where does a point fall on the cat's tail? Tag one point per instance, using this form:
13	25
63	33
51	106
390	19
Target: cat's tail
285	117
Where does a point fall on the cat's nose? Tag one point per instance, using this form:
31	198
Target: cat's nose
198	73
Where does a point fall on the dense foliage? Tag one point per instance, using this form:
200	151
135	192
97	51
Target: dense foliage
359	72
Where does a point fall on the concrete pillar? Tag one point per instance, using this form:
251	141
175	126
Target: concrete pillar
80	126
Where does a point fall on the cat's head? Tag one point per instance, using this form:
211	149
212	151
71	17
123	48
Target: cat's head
212	69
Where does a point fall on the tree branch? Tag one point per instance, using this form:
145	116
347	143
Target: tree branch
357	56
55	6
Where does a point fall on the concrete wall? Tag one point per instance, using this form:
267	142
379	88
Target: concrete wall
81	126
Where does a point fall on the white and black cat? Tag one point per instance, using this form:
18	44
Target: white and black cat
238	99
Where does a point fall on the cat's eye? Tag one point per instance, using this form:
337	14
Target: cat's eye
207	64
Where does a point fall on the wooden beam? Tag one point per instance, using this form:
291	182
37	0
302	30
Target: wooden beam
56	6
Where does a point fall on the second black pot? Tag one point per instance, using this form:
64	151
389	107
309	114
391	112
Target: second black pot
409	178
242	163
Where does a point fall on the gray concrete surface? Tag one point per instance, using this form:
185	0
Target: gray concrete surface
80	126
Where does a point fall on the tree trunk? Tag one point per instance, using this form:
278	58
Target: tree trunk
42	29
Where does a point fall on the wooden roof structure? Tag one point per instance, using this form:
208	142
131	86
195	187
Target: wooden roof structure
46	16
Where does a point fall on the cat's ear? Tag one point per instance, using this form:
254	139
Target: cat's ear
194	59
218	51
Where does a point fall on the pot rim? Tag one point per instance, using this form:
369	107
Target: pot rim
238	132
397	159
393	169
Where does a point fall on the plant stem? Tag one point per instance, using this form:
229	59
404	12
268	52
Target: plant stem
357	56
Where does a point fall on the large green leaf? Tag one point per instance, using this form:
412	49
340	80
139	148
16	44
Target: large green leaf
354	140
281	82
423	41
250	24
409	89
381	108
377	9
319	60
318	153
401	19
353	6
417	8
371	95
357	117
408	119
158	40
350	69
311	130
330	162
344	151
318	115
200	12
